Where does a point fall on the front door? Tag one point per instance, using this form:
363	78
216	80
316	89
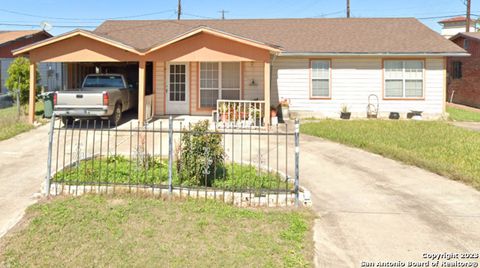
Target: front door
177	89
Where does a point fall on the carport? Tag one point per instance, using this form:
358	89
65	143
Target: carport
84	53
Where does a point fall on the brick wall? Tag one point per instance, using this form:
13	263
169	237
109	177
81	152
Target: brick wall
466	89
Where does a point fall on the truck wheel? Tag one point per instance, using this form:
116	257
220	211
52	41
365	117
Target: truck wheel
117	115
67	120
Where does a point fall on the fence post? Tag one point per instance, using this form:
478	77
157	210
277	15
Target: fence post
297	159
170	153
49	159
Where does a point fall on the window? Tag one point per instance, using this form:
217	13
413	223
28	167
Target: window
320	74
103	81
219	80
466	43
457	70
403	79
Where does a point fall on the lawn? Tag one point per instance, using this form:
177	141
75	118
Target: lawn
126	231
436	146
121	170
459	114
11	125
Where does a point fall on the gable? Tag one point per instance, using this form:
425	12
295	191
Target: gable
208	47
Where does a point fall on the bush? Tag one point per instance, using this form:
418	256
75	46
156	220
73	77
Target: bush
19	79
200	155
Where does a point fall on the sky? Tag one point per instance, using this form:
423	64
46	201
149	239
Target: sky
66	15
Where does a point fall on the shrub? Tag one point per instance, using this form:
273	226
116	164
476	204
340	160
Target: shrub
19	79
199	155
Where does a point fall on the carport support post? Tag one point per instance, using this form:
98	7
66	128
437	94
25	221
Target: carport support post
297	159
266	93
32	92
141	92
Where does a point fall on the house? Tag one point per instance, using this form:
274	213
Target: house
463	85
50	73
184	67
453	26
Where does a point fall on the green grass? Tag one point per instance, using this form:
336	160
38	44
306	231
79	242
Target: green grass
11	125
122	231
124	171
458	114
435	146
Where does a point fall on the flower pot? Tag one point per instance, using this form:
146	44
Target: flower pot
273	112
285	112
224	117
346	115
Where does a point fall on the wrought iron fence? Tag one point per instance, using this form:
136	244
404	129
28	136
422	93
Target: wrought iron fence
165	158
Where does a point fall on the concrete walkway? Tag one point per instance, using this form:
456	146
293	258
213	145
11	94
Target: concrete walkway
23	161
375	209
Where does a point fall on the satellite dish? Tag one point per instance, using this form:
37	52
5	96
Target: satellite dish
45	26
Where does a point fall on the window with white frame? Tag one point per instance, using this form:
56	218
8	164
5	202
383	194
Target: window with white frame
219	80
403	79
320	75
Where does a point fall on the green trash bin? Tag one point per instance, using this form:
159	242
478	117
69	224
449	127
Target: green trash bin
48	104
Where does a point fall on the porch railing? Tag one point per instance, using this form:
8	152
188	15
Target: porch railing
240	113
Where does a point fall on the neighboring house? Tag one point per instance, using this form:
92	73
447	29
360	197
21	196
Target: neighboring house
318	64
464	72
50	73
453	26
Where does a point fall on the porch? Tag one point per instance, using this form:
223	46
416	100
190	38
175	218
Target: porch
189	75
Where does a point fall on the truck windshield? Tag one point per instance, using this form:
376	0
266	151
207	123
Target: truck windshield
103	81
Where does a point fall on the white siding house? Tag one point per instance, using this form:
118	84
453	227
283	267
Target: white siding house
352	81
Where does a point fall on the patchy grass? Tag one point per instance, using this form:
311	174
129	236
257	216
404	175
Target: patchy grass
459	114
435	146
120	170
122	231
11	125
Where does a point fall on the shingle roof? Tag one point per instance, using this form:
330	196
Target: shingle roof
455	19
322	35
6	36
473	35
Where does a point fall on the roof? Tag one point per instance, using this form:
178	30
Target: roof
472	35
7	36
319	35
455	19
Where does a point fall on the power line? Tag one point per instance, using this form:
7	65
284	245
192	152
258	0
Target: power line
38	25
85	19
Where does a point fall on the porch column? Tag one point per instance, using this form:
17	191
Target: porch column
32	92
141	92
266	93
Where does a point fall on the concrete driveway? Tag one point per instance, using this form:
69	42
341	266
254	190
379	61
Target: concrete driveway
23	161
375	209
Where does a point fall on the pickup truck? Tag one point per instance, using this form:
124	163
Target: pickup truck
104	96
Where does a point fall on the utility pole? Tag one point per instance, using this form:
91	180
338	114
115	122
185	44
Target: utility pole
348	8
223	13
469	2
179	9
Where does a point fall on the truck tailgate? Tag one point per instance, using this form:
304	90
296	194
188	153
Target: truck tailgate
79	99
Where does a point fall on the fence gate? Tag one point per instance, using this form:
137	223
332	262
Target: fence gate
253	166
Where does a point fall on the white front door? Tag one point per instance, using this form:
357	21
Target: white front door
177	89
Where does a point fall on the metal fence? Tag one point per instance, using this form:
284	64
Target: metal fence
173	158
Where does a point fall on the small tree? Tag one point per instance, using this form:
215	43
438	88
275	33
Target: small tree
19	79
199	155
